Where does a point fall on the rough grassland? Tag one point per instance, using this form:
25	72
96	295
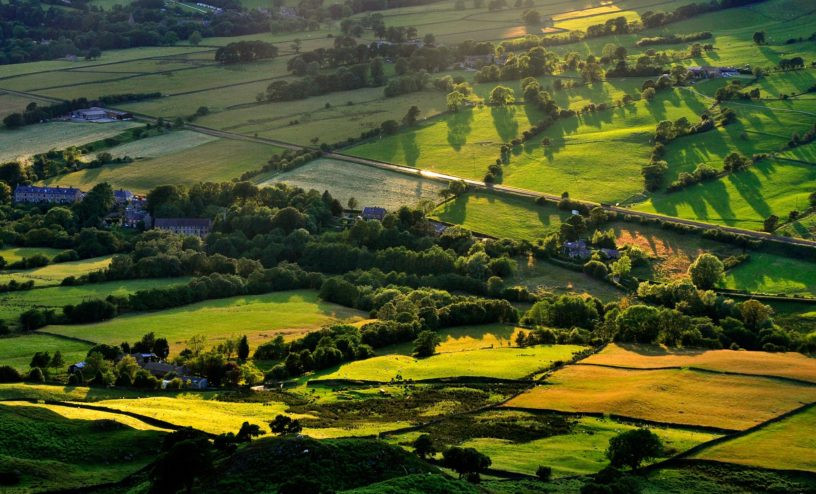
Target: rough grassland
53	274
580	452
671	396
742	199
769	273
17	351
39	138
260	317
370	186
785	445
14	254
12	304
508	363
791	364
216	161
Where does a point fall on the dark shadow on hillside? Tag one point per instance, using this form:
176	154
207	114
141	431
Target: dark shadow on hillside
459	128
659	351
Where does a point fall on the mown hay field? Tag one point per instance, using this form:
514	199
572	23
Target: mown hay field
502	362
17	351
260	317
770	273
785	445
216	161
669	396
12	304
20	144
53	274
580	452
791	364
368	185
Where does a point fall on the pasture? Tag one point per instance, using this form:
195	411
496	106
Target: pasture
20	144
17	351
12	103
12	304
771	273
667	396
160	145
14	254
784	445
74	413
465	338
215	161
579	452
368	185
260	317
53	274
791	365
502	362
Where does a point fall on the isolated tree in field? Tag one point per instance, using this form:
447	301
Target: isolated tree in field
243	349
426	343
648	94
502	96
410	118
531	17
194	38
283	425
247	432
735	161
632	448
770	223
161	348
706	271
455	100
544	473
423	446
465	461
759	37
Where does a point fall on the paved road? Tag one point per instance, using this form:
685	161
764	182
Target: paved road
475	184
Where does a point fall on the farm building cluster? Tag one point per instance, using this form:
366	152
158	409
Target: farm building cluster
98	115
159	368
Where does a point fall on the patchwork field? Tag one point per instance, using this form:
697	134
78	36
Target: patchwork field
33	139
216	161
769	273
53	274
502	362
370	186
670	396
12	304
259	317
784	445
17	351
791	364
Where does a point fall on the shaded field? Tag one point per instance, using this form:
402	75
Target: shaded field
39	138
17	351
216	161
770	273
791	364
53	274
670	396
72	413
786	445
541	275
503	362
370	186
14	254
12	304
260	317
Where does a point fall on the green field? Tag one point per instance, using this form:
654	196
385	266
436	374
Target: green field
784	445
507	363
52	452
260	317
39	138
12	304
770	273
370	186
216	161
17	351
160	145
14	254
53	274
12	103
580	452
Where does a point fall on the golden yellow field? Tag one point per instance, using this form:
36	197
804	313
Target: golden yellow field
85	414
670	396
788	445
791	364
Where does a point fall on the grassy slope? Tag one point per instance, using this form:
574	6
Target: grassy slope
73	413
17	351
672	396
39	138
260	317
53	274
786	445
794	365
510	363
770	273
14	254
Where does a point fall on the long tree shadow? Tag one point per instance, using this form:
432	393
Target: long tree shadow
459	128
505	122
410	149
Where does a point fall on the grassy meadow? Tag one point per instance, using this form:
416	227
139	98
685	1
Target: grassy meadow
74	413
771	273
260	317
14	254
502	362
53	274
17	351
669	396
370	186
791	364
20	144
